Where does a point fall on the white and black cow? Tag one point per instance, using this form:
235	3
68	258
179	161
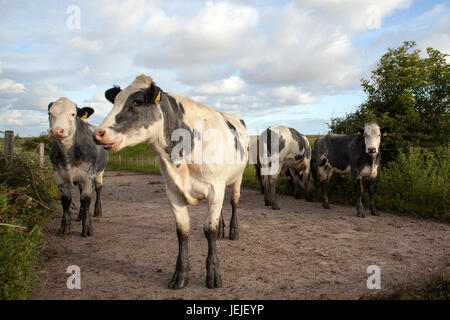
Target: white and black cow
143	112
294	182
76	160
293	155
358	154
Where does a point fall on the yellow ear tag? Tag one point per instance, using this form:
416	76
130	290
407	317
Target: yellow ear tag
85	116
384	134
158	98
358	132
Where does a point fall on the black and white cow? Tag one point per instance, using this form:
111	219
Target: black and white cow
76	160
358	154
142	112
294	182
293	155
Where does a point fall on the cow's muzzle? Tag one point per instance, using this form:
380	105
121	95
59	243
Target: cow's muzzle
372	150
100	138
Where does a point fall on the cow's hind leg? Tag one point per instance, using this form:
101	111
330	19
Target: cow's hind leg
81	209
235	196
98	191
260	179
215	201
178	206
373	210
221	232
85	203
66	200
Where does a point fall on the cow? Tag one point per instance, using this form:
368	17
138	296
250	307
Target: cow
76	160
143	112
293	156
358	154
288	173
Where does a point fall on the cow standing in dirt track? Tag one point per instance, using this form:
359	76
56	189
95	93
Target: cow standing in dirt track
143	112
358	154
76	160
293	154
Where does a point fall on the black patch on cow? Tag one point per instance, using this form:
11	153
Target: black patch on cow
243	123
281	141
50	105
173	113
139	110
237	143
298	157
111	94
301	144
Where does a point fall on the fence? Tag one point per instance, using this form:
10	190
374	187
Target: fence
11	151
149	164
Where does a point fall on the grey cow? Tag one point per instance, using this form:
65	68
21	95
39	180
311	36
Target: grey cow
293	155
358	154
76	160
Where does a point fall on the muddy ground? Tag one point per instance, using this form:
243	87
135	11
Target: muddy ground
299	252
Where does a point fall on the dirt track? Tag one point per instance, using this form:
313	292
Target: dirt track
299	252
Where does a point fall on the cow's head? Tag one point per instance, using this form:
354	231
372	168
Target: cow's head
372	137
135	116
62	116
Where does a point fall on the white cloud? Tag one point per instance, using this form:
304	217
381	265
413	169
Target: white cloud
9	88
292	96
86	45
231	85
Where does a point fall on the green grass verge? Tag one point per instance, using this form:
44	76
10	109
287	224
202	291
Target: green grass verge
27	201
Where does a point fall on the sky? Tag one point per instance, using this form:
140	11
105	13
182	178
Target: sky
294	63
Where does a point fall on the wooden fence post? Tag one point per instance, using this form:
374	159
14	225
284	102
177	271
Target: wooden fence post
9	145
120	162
41	154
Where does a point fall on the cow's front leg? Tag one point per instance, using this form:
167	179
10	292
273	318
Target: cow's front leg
215	202
66	200
359	193
373	210
85	203
178	206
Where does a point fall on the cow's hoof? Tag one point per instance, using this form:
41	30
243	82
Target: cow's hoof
80	216
267	203
87	232
297	196
179	280
275	206
64	230
234	234
361	215
97	214
375	213
213	280
326	206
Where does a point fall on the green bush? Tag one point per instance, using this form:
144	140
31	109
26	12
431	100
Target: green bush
32	144
27	198
416	183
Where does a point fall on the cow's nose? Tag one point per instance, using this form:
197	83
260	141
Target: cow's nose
372	150
99	135
57	132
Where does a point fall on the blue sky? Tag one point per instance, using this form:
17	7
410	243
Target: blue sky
296	63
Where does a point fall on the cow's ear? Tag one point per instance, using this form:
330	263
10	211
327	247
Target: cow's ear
153	94
360	131
50	105
384	131
111	94
85	112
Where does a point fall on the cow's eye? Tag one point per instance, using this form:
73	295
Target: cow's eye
73	114
138	102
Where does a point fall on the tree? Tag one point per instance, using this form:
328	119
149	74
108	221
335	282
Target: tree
408	93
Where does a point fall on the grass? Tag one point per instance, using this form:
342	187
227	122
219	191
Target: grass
27	200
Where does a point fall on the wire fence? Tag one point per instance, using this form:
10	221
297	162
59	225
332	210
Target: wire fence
118	161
